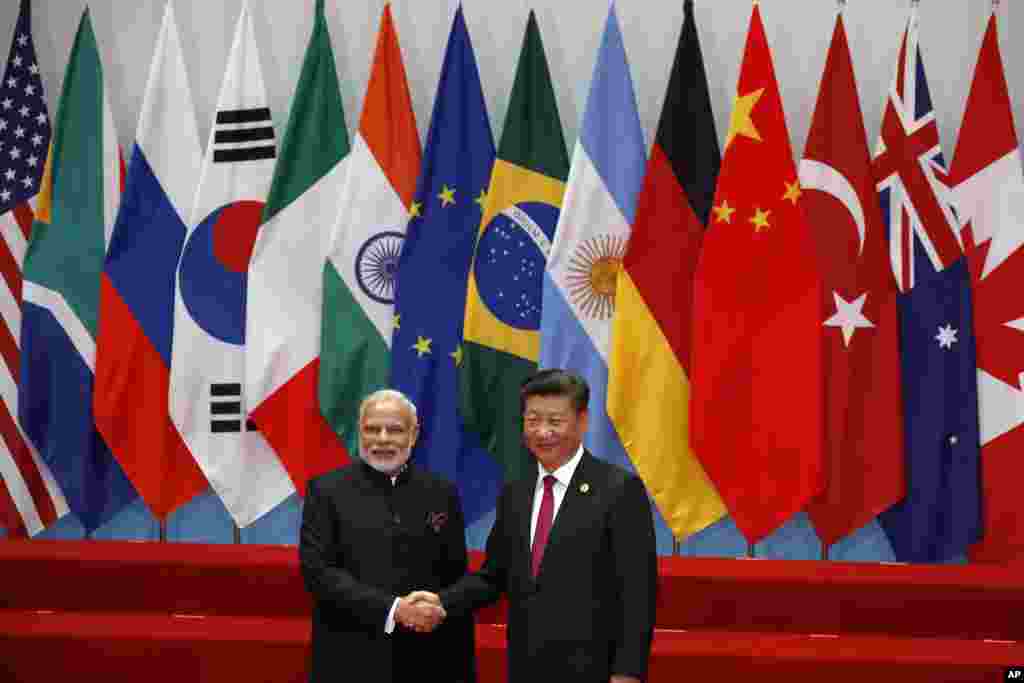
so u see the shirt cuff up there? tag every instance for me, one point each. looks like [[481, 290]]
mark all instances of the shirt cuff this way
[[389, 625]]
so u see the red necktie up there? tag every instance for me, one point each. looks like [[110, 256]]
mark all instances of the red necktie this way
[[544, 519]]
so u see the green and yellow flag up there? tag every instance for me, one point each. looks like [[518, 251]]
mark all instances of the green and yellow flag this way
[[501, 336]]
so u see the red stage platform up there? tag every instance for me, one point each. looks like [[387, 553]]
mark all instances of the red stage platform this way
[[115, 611]]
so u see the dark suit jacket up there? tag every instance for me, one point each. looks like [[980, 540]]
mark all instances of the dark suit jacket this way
[[590, 612], [364, 542]]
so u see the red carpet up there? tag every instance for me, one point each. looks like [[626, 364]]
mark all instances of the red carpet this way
[[113, 611]]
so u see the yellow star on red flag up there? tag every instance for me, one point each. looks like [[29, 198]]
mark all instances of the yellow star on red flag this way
[[740, 123], [793, 191], [723, 212], [760, 219], [757, 301]]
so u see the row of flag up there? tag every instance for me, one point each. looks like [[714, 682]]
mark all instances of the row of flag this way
[[761, 336]]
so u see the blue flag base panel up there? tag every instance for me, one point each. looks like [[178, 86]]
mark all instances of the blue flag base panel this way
[[205, 520], [721, 539]]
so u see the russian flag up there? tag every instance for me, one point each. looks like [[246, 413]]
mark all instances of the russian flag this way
[[133, 355]]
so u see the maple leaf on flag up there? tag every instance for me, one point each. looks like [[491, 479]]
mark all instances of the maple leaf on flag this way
[[999, 335]]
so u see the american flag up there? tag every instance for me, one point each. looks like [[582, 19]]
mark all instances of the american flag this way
[[910, 170], [29, 497]]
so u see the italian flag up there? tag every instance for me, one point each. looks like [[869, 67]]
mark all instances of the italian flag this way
[[359, 277], [285, 285]]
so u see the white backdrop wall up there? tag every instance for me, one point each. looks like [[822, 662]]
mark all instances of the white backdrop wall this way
[[798, 31]]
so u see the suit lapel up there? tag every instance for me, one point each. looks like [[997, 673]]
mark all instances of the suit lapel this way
[[525, 503], [573, 510]]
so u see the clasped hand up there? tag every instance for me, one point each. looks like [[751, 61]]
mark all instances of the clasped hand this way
[[420, 611]]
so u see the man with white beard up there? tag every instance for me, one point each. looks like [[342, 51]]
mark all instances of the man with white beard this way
[[372, 532]]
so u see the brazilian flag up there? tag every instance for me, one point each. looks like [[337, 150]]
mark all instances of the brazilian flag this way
[[501, 334]]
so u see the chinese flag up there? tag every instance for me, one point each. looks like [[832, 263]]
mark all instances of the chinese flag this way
[[757, 354]]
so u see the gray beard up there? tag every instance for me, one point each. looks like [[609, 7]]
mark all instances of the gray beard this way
[[389, 471]]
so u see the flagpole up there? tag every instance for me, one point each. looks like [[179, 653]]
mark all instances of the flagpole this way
[[840, 7], [676, 545], [750, 551], [237, 533], [162, 530]]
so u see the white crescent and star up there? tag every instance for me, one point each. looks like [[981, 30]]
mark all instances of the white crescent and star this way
[[815, 175]]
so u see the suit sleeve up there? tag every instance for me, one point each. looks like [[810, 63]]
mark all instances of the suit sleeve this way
[[456, 561], [328, 583], [636, 568], [486, 585], [457, 630]]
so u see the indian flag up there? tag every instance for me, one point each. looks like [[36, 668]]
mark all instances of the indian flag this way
[[359, 276]]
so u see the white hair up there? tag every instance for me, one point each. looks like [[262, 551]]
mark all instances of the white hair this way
[[382, 395]]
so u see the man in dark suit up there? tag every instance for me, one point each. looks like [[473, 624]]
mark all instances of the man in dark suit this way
[[372, 532], [573, 548]]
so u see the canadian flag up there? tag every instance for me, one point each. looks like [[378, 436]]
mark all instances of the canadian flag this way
[[988, 193]]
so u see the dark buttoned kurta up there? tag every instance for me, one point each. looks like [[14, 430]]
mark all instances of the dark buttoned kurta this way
[[365, 541]]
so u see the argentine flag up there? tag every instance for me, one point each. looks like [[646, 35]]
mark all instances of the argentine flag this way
[[590, 240]]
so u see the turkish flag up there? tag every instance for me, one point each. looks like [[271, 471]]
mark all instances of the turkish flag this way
[[757, 353], [863, 456]]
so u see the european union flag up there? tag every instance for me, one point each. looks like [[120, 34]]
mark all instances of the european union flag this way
[[941, 515], [430, 296]]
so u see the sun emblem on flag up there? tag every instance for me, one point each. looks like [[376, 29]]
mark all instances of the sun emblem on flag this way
[[377, 265], [593, 271]]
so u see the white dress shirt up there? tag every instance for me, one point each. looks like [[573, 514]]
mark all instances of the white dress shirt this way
[[389, 623], [563, 477]]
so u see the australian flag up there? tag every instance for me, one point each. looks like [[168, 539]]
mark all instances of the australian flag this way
[[430, 297], [941, 514]]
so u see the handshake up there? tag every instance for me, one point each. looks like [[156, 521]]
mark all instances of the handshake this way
[[420, 611]]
